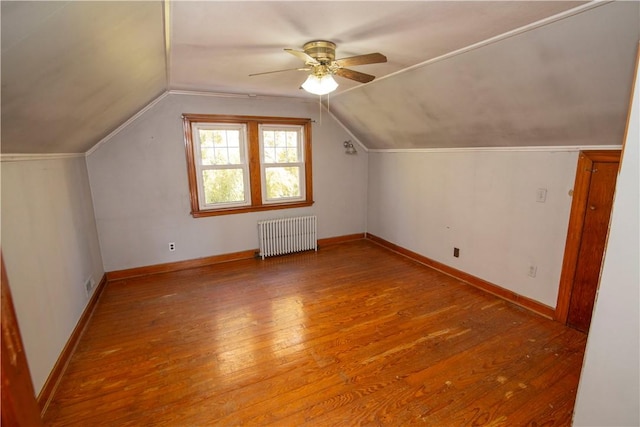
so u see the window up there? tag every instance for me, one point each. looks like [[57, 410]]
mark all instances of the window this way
[[243, 163], [281, 163], [222, 169]]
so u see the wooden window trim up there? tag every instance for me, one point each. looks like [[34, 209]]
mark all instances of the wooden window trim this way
[[253, 154]]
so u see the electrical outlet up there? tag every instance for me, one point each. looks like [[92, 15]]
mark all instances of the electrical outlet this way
[[456, 252], [88, 285], [172, 247], [532, 271]]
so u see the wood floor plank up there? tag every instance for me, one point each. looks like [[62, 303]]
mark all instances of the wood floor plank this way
[[458, 372], [353, 334], [354, 362]]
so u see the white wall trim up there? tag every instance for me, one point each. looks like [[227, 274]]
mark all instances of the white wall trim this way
[[473, 149], [127, 123], [534, 25], [167, 15], [214, 94], [237, 95], [20, 157], [24, 157]]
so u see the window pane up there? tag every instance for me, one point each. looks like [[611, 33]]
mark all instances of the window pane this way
[[281, 138], [219, 137], [220, 146], [233, 138], [223, 185], [222, 157], [282, 155], [268, 139], [292, 139], [269, 155], [208, 156], [234, 156], [281, 145], [282, 182]]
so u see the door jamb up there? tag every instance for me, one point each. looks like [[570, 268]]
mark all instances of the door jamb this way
[[19, 406], [576, 223]]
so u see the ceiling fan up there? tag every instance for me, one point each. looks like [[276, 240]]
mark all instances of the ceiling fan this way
[[319, 58]]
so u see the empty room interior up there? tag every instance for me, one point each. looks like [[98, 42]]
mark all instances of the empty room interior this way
[[320, 213]]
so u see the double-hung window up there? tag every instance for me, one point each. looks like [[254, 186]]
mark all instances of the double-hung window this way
[[222, 168], [281, 163], [244, 163]]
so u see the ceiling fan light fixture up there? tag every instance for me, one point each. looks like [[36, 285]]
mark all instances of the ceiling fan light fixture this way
[[320, 85]]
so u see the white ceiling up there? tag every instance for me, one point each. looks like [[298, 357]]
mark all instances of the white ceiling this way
[[72, 72], [211, 52], [565, 83]]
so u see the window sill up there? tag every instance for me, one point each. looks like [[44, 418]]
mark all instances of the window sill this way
[[245, 209]]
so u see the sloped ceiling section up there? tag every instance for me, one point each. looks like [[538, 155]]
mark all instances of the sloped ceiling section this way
[[74, 71], [565, 83], [211, 52]]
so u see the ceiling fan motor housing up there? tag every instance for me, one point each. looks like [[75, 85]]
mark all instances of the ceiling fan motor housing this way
[[321, 50]]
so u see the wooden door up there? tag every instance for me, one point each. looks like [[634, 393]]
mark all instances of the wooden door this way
[[19, 406], [594, 236], [588, 228]]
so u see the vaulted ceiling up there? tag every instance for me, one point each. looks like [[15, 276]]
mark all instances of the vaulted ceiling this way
[[459, 74]]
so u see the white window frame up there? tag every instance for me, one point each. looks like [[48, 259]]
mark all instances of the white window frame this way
[[300, 163], [244, 165]]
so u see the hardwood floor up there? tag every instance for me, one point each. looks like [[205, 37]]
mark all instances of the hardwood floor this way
[[352, 334]]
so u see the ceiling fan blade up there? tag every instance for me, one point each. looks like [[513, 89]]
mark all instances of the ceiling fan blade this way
[[354, 75], [280, 71], [371, 58], [302, 55]]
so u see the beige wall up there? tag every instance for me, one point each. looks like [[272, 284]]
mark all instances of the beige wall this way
[[50, 246], [483, 202], [609, 390], [139, 184]]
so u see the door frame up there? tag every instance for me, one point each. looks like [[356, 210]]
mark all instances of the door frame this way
[[581, 186], [19, 405]]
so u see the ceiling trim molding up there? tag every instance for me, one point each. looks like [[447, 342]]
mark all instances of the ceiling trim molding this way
[[526, 28], [238, 95], [167, 16], [497, 149], [213, 94], [127, 123], [25, 157], [22, 157]]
